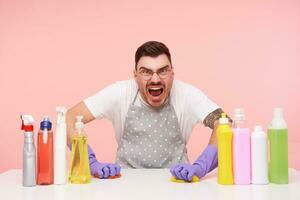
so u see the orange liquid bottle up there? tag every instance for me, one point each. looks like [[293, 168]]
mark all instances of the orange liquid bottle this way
[[45, 153]]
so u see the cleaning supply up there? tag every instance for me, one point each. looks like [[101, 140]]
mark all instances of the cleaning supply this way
[[29, 178], [60, 160], [194, 179], [80, 169], [224, 135], [115, 177], [259, 156], [241, 149], [278, 137], [45, 153]]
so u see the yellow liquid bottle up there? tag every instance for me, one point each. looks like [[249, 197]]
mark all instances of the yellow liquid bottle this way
[[224, 134], [79, 168]]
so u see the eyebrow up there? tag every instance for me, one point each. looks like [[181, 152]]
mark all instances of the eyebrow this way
[[145, 68]]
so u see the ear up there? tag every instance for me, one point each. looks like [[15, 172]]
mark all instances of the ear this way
[[172, 70], [134, 73]]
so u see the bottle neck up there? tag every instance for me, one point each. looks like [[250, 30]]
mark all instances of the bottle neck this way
[[28, 137], [79, 132], [239, 124]]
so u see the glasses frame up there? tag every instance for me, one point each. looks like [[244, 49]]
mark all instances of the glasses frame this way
[[147, 78]]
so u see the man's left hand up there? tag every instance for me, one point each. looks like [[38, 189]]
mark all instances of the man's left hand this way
[[186, 171]]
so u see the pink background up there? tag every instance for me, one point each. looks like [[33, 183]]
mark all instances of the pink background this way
[[59, 52]]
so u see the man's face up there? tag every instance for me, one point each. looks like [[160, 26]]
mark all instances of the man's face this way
[[155, 90]]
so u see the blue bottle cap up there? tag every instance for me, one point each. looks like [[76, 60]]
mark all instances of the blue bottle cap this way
[[46, 124]]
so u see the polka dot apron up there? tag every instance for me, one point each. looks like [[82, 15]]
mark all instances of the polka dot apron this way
[[151, 138]]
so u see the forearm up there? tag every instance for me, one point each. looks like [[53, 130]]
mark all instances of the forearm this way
[[208, 160], [70, 120], [212, 121]]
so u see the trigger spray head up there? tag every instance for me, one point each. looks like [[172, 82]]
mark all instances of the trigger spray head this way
[[27, 123], [61, 114]]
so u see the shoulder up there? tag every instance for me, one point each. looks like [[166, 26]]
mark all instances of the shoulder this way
[[124, 84], [182, 88]]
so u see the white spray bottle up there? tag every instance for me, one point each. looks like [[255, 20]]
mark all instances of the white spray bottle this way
[[60, 163]]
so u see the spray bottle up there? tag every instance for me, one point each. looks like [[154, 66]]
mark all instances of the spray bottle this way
[[259, 156], [80, 169], [224, 134], [60, 163], [45, 153], [241, 149], [278, 137], [29, 178]]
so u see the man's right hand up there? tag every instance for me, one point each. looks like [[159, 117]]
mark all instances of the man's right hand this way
[[102, 170]]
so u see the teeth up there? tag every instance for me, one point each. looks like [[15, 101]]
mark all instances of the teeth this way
[[154, 88]]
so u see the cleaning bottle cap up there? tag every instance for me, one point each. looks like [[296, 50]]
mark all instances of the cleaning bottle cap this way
[[46, 123], [277, 113], [258, 128], [223, 119], [79, 124], [239, 114], [27, 123]]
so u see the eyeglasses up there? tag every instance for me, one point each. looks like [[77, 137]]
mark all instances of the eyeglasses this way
[[147, 74]]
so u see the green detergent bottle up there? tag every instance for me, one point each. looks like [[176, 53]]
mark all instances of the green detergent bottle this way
[[278, 137]]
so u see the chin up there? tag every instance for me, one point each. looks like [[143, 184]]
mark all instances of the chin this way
[[157, 104]]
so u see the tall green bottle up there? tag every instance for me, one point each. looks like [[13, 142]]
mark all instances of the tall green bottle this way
[[278, 137]]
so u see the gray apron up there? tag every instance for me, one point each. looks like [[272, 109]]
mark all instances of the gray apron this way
[[151, 138]]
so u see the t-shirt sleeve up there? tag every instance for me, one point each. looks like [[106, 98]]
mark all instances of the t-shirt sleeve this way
[[104, 103], [199, 105]]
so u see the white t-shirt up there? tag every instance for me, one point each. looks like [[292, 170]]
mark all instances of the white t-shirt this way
[[191, 105]]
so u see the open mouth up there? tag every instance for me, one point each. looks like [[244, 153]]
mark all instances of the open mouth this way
[[155, 91]]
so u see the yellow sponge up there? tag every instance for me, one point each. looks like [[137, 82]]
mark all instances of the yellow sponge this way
[[194, 179]]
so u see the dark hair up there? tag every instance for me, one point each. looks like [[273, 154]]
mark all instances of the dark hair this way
[[152, 49]]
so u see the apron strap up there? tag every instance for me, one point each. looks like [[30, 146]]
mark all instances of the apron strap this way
[[137, 92]]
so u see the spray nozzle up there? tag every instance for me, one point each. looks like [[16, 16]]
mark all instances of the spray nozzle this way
[[27, 122], [61, 109], [61, 113], [79, 124], [223, 119]]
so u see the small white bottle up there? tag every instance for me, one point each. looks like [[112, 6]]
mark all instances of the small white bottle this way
[[259, 156], [60, 161]]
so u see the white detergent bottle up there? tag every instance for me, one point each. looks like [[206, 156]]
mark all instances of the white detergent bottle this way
[[60, 161], [259, 156]]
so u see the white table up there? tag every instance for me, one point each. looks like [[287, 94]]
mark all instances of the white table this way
[[147, 184]]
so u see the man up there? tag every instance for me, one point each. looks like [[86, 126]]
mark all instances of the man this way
[[153, 116]]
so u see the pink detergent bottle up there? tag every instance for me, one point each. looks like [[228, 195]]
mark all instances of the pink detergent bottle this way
[[241, 149]]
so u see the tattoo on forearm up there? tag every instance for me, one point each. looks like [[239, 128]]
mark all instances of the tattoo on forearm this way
[[213, 116]]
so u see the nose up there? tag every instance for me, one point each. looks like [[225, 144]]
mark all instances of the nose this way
[[155, 78]]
